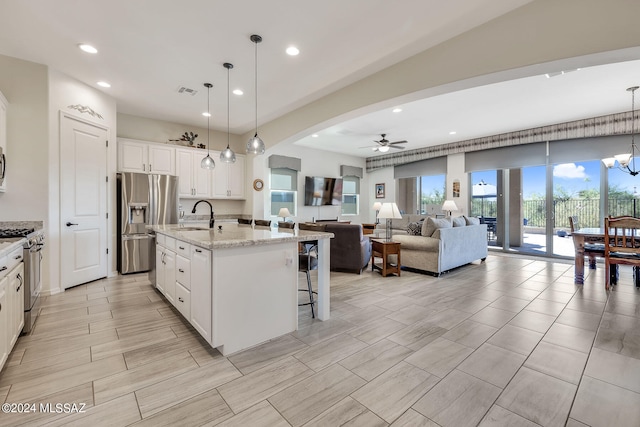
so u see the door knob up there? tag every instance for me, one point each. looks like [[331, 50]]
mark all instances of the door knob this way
[[69, 224]]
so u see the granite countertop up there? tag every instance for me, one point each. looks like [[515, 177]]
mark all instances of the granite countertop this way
[[38, 225], [6, 247], [237, 235]]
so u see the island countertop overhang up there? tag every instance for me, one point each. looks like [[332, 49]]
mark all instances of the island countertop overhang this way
[[237, 235]]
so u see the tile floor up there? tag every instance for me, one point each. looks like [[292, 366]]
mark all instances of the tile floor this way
[[509, 342]]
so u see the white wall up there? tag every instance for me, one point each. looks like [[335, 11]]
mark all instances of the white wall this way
[[314, 163], [24, 84], [455, 170], [380, 176], [65, 91]]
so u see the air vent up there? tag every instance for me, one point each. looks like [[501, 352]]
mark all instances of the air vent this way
[[187, 91]]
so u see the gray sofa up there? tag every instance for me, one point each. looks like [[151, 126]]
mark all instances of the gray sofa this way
[[350, 249], [445, 248]]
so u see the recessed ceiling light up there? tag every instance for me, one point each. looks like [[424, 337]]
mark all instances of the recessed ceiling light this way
[[292, 50], [315, 135], [206, 114], [88, 48], [453, 132], [238, 92], [397, 110], [103, 84]]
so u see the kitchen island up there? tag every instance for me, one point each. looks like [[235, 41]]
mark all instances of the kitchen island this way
[[236, 284]]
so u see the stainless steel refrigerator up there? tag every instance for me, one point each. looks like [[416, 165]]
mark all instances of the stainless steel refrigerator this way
[[143, 200]]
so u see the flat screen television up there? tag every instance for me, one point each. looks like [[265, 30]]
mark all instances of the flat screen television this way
[[319, 191]]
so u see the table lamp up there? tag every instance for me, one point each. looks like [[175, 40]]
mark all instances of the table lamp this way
[[284, 213], [448, 206], [376, 207], [389, 211]]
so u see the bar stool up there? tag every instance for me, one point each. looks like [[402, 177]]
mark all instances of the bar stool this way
[[289, 225], [308, 261], [245, 221]]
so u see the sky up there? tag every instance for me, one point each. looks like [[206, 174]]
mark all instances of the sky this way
[[573, 177]]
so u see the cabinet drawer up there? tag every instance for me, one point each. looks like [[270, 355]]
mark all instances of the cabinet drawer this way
[[14, 258], [160, 239], [183, 271], [183, 301], [170, 243], [183, 249]]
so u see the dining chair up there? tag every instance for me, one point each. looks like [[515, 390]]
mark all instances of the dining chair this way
[[245, 221], [621, 246], [591, 250], [289, 225]]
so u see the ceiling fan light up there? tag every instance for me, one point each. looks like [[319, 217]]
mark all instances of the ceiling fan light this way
[[383, 149], [609, 162]]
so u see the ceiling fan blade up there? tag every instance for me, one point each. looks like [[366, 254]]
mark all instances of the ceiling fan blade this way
[[398, 142], [396, 147]]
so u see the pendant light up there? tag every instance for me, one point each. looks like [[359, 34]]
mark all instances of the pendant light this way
[[207, 162], [227, 155], [255, 144]]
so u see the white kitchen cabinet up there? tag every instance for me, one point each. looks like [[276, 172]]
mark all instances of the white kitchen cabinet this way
[[146, 157], [194, 182], [3, 140], [166, 271], [201, 303], [229, 178], [15, 300], [4, 322]]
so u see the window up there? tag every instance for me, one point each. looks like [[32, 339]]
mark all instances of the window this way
[[284, 188], [431, 193], [350, 195]]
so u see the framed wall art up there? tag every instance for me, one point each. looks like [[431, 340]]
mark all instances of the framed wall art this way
[[379, 191]]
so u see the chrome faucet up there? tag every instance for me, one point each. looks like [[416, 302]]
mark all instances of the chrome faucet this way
[[212, 219]]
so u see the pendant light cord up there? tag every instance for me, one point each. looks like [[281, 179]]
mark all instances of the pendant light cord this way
[[208, 116], [228, 114], [256, 81]]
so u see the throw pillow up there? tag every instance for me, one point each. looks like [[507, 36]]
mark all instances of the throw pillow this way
[[459, 221], [432, 224], [472, 220], [414, 228]]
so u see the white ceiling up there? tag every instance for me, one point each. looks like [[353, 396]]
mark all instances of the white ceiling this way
[[149, 48]]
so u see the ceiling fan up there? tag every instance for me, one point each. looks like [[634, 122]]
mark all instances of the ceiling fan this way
[[384, 144]]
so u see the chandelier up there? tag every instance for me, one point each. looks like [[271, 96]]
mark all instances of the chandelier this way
[[627, 161]]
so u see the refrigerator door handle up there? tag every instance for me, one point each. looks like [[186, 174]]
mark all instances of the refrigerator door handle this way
[[136, 236]]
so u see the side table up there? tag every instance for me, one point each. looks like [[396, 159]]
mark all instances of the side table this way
[[382, 249], [368, 228]]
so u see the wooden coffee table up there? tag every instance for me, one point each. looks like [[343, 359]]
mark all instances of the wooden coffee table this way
[[381, 248]]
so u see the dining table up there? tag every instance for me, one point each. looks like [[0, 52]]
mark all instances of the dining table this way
[[580, 238]]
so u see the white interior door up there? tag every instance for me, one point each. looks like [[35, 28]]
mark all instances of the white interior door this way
[[83, 202]]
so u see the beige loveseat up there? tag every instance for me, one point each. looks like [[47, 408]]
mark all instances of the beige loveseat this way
[[441, 246]]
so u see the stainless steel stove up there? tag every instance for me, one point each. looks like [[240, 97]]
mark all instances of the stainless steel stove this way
[[32, 254]]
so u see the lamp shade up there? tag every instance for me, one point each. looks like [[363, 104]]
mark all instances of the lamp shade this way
[[449, 205], [377, 206], [284, 213], [389, 210]]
